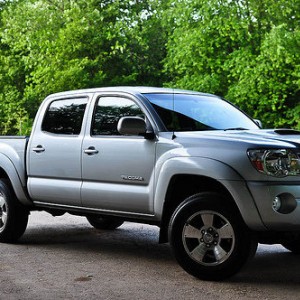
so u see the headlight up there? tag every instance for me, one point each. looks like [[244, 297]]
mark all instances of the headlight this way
[[276, 162]]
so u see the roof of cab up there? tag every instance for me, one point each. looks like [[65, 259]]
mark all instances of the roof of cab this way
[[134, 90]]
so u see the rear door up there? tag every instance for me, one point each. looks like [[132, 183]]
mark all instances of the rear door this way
[[117, 170], [54, 152]]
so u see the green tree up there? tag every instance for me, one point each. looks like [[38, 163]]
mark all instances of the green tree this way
[[53, 45], [243, 50]]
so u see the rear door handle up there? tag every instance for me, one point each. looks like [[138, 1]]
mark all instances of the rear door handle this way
[[38, 149], [91, 150]]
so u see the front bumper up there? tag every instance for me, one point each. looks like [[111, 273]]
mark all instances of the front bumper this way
[[264, 194]]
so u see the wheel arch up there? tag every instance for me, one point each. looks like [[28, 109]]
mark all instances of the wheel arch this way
[[182, 186], [9, 172]]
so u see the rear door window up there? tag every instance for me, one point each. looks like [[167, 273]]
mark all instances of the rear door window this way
[[65, 116]]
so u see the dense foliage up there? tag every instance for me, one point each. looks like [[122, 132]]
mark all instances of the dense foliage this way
[[244, 50]]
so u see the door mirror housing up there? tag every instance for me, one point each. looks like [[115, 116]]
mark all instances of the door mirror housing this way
[[132, 126]]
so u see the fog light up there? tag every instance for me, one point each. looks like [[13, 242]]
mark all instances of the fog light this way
[[276, 204], [284, 203]]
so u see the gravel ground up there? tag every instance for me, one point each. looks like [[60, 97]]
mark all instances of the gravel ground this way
[[65, 258]]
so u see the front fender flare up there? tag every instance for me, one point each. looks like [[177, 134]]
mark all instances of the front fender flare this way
[[210, 168]]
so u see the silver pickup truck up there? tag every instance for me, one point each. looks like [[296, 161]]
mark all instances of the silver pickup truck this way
[[191, 163]]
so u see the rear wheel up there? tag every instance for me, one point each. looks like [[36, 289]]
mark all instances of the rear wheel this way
[[104, 222], [209, 238], [13, 215]]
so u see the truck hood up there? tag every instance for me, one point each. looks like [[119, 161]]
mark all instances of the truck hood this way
[[252, 138], [281, 135], [231, 147]]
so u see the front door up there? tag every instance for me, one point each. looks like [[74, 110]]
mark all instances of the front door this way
[[117, 171]]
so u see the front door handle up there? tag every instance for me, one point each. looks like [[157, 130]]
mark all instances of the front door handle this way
[[91, 150], [38, 149]]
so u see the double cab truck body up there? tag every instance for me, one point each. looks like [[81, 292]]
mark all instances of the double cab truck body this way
[[191, 163]]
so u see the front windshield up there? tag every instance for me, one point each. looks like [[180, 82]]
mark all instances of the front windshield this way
[[191, 112]]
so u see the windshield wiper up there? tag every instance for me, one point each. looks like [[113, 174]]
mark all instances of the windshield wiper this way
[[236, 128]]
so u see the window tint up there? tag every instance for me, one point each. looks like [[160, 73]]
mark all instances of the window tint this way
[[108, 112], [65, 116]]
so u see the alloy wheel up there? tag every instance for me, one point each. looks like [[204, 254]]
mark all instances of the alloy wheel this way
[[208, 238]]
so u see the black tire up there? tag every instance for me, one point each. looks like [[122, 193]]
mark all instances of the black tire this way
[[209, 238], [104, 222], [293, 246], [13, 215]]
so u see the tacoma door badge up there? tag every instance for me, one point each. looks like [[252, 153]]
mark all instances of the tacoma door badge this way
[[132, 177]]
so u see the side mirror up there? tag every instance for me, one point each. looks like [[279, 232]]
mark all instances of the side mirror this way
[[132, 126]]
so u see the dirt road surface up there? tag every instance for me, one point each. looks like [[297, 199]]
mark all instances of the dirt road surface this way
[[65, 258]]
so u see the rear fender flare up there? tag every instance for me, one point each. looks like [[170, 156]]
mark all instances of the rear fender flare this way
[[15, 179]]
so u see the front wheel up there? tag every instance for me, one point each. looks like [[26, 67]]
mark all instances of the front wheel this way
[[209, 238], [13, 216]]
